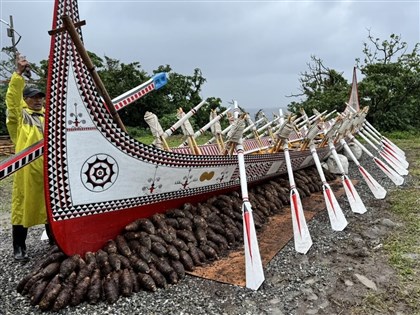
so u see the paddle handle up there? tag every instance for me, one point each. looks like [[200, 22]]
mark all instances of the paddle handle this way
[[242, 171], [318, 164]]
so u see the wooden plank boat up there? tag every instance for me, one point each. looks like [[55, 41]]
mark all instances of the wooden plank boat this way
[[98, 179]]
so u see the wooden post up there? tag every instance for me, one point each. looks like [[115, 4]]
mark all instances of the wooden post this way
[[69, 26]]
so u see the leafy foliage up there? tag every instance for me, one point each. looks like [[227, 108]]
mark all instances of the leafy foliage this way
[[7, 67], [390, 87], [322, 87], [181, 91]]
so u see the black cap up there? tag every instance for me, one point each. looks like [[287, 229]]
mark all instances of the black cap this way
[[31, 92]]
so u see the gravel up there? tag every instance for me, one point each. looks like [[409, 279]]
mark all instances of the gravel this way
[[295, 283]]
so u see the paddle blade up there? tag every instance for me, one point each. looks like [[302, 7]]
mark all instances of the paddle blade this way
[[393, 163], [377, 190], [397, 157], [302, 237], [253, 265], [337, 219], [356, 204], [392, 146], [392, 175], [392, 150]]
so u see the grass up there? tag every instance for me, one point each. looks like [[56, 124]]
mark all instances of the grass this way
[[145, 136], [403, 246], [400, 246]]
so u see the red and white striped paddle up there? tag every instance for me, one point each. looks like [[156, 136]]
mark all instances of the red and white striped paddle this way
[[337, 219], [388, 171], [253, 266], [377, 190], [356, 204], [391, 160], [394, 154], [302, 237]]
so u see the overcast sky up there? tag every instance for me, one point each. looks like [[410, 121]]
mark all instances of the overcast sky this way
[[251, 51]]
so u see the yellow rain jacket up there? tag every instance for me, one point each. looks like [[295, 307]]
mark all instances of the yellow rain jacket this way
[[25, 127]]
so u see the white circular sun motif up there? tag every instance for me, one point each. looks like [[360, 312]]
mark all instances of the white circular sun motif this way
[[99, 172]]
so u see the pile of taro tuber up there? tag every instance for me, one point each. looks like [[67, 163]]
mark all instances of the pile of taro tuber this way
[[153, 252]]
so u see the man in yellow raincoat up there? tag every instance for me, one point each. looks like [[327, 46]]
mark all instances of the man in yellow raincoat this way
[[25, 123]]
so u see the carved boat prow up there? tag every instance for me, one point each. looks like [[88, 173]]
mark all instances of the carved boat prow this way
[[98, 178]]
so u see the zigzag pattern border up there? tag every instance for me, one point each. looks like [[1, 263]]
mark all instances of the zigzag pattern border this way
[[64, 53]]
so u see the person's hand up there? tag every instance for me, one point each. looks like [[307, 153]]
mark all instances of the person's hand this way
[[22, 64]]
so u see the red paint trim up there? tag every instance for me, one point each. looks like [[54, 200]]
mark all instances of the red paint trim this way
[[346, 181], [19, 156], [366, 175], [296, 206], [248, 231], [330, 199]]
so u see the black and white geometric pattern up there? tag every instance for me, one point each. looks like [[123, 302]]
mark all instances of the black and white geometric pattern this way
[[19, 160], [99, 172]]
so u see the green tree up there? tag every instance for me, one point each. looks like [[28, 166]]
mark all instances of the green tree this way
[[7, 65], [391, 87], [119, 78], [181, 91], [323, 89]]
